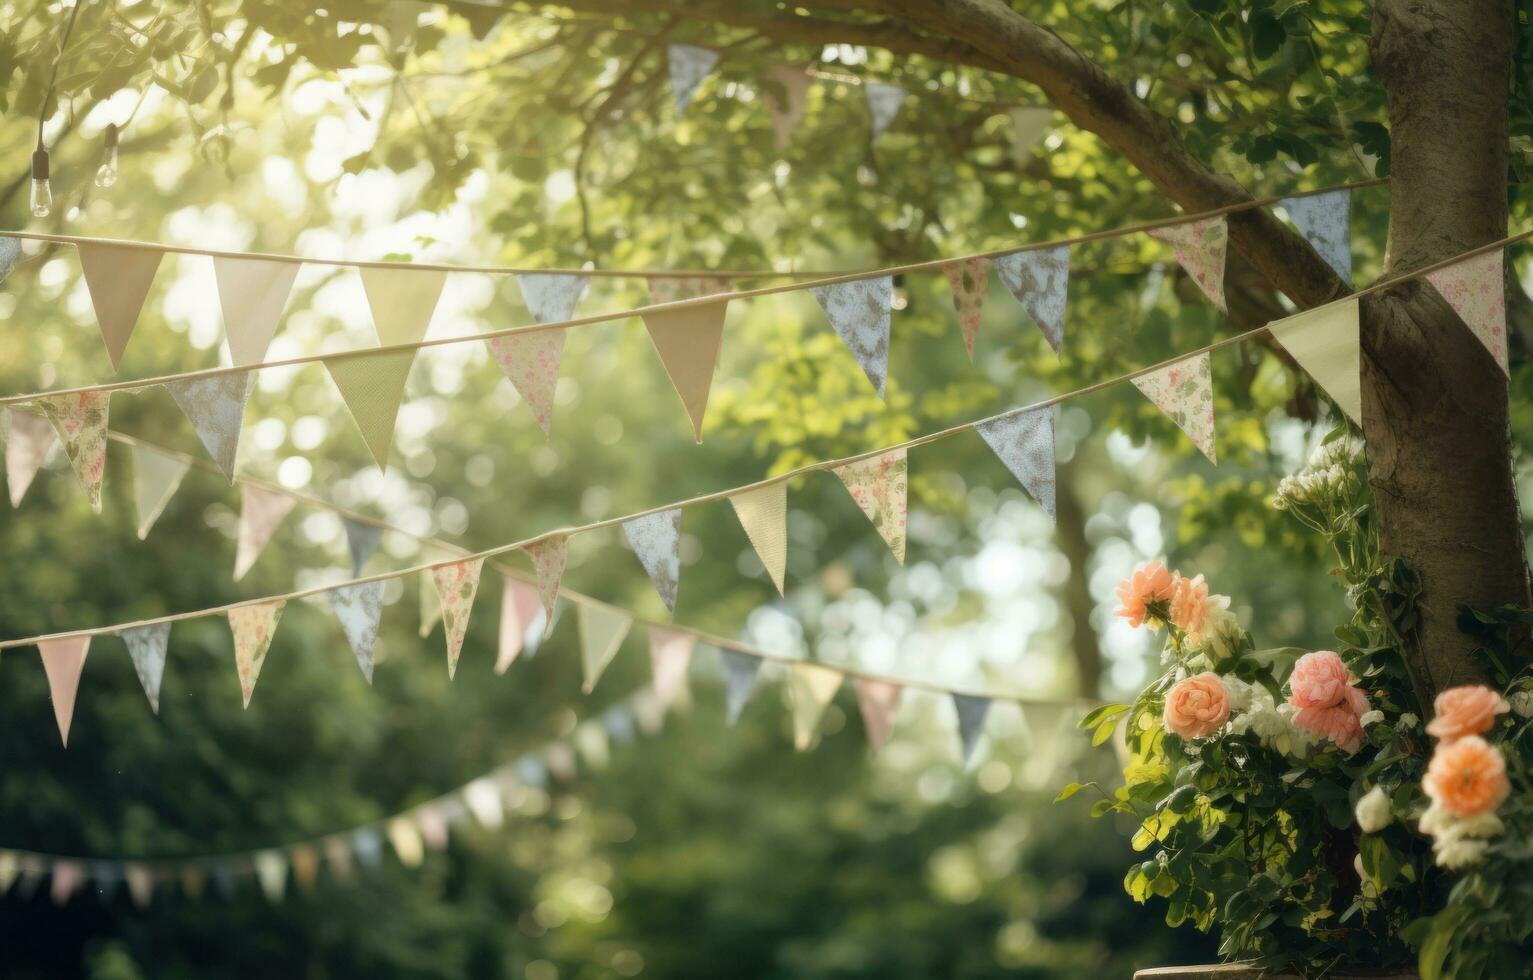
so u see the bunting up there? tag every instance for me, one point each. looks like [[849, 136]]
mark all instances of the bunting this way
[[456, 585], [156, 477], [1028, 124], [879, 701], [140, 884], [67, 876], [788, 108], [859, 313], [1040, 280], [969, 278], [689, 65], [670, 289], [1199, 248], [253, 627], [361, 541], [878, 485], [359, 610], [688, 341], [740, 670], [1325, 343], [530, 362], [261, 513], [406, 840], [1184, 390], [670, 657], [216, 408], [146, 648], [519, 605], [763, 513], [80, 421], [602, 629], [811, 687], [431, 604], [548, 560], [372, 387], [884, 103], [271, 874], [27, 446], [1024, 441], [1325, 221], [1476, 290], [118, 279], [656, 540], [252, 293], [10, 254], [972, 711], [551, 297], [63, 662]]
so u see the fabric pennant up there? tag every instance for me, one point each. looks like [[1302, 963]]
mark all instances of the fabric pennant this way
[[740, 671], [67, 877], [548, 560], [261, 513], [1184, 390], [1325, 342], [689, 65], [811, 687], [669, 289], [216, 408], [884, 103], [688, 341], [878, 485], [156, 477], [551, 297], [670, 658], [140, 882], [431, 604], [456, 585], [361, 541], [1325, 221], [402, 301], [1040, 280], [859, 312], [602, 629], [879, 701], [1024, 441], [372, 386], [253, 293], [531, 362], [763, 513], [63, 662], [80, 421], [146, 648], [118, 279], [1028, 124], [359, 610], [656, 540], [519, 604], [27, 446], [788, 108], [10, 254], [972, 711], [271, 874], [1200, 248], [253, 627], [1476, 290], [969, 279]]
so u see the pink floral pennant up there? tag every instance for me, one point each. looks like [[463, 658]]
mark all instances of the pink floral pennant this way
[[549, 558], [63, 662], [1477, 292], [788, 109], [456, 585], [1200, 248], [27, 446], [80, 421], [253, 627], [878, 485], [969, 279], [879, 701], [519, 604], [670, 657], [531, 362], [261, 513], [1184, 391]]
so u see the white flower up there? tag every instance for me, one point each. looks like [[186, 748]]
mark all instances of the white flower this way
[[1409, 721], [1370, 717], [1221, 632], [1522, 703], [1459, 843], [1373, 811], [1454, 853]]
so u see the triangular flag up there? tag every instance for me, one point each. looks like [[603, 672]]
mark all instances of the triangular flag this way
[[1325, 221], [763, 513], [669, 289], [402, 301], [367, 846], [81, 421], [531, 362], [10, 254], [971, 721], [1325, 343], [1200, 247], [156, 478], [10, 867], [788, 109], [359, 609], [338, 856], [63, 662], [193, 879], [118, 279], [969, 279], [519, 604], [305, 866], [431, 604], [253, 627], [271, 873], [656, 540], [261, 513], [140, 882], [1024, 440], [252, 293], [1476, 290], [884, 103], [361, 541], [1184, 390], [810, 689], [146, 648], [216, 408], [689, 65], [372, 385], [670, 657], [456, 585], [859, 312], [1040, 280], [551, 297], [67, 878], [1028, 124], [602, 629], [879, 701], [688, 341], [27, 446], [548, 560], [878, 485], [740, 670]]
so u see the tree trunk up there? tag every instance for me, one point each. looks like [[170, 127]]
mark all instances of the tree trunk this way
[[1434, 400], [1070, 532]]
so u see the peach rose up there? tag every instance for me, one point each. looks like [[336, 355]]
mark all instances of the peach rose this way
[[1319, 680], [1467, 710], [1467, 777], [1152, 583], [1339, 723], [1189, 603], [1197, 706]]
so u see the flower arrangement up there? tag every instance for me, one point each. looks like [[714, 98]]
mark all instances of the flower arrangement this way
[[1294, 801]]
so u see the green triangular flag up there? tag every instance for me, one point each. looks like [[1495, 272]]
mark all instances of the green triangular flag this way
[[371, 386], [1325, 343], [602, 629]]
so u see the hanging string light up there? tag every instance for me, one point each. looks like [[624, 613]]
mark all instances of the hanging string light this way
[[42, 190], [106, 174]]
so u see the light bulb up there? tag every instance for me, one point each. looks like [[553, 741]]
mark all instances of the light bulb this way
[[42, 192], [900, 299], [106, 174]]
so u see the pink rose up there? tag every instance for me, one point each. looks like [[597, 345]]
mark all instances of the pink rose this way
[[1152, 583], [1319, 680], [1197, 706], [1339, 723]]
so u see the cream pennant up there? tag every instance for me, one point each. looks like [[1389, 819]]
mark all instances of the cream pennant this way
[[788, 108], [1184, 390], [859, 311], [63, 662], [740, 671], [1325, 221], [253, 628], [1040, 280], [1325, 342], [118, 279], [156, 477], [361, 541], [261, 513], [1028, 124], [147, 648], [688, 341], [656, 540], [884, 103], [337, 856], [878, 485], [972, 711], [551, 297], [140, 882], [402, 301], [1200, 247], [305, 866], [252, 293], [602, 629], [531, 362], [10, 866], [271, 874], [879, 701], [359, 610], [669, 289], [519, 605], [689, 65], [1476, 289], [27, 447], [482, 798], [216, 408], [763, 513], [670, 658], [431, 604], [810, 689], [81, 422], [1024, 441], [548, 560], [968, 279], [372, 387], [456, 585]]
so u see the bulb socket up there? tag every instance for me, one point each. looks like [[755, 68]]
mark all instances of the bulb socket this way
[[40, 164]]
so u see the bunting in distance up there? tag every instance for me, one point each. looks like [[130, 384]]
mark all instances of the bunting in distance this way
[[1476, 290], [456, 585], [252, 293], [740, 671], [1325, 221], [879, 701], [1028, 124], [670, 657], [688, 341], [216, 408], [118, 278], [253, 628], [811, 687], [147, 648], [878, 485], [63, 662], [261, 513], [519, 607], [1184, 390], [530, 360], [1040, 280], [27, 446], [156, 477], [1024, 441], [1200, 249], [884, 103], [656, 541], [80, 421], [763, 513], [788, 108], [689, 66], [972, 711], [859, 312], [602, 629], [1325, 342]]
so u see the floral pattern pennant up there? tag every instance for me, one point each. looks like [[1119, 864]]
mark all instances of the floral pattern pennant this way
[[548, 560], [1200, 248], [359, 609], [81, 420], [969, 278], [1040, 280], [1476, 291], [1184, 390], [216, 408], [656, 540], [253, 627], [531, 362], [878, 485], [146, 648], [456, 584]]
